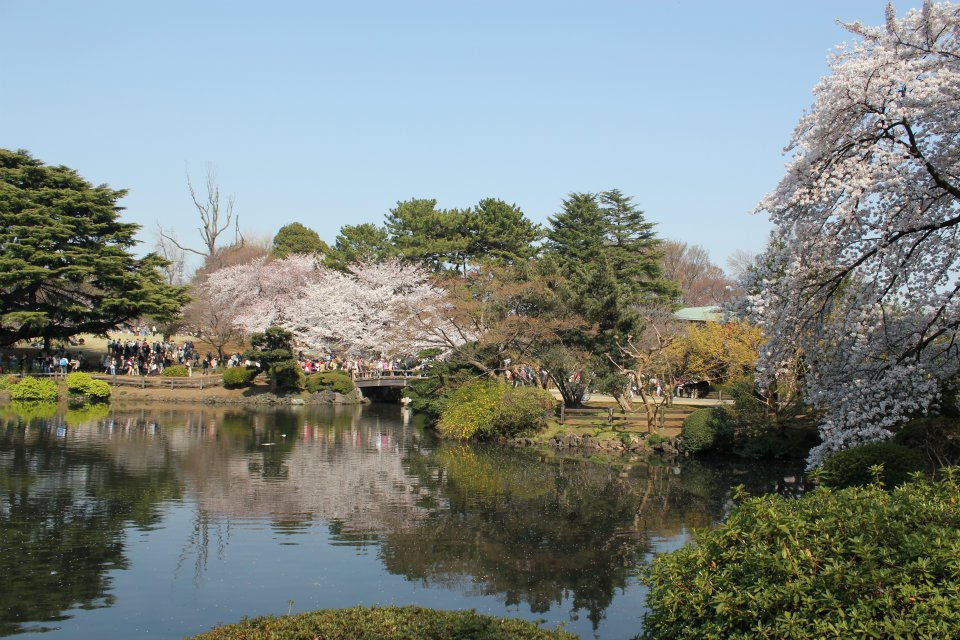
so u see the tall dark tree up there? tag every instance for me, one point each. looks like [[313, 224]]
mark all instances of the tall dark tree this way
[[297, 238], [65, 261]]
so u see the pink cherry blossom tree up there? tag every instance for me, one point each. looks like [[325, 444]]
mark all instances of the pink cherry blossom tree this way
[[863, 270]]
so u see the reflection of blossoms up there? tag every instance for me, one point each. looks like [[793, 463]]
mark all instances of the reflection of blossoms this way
[[861, 274], [360, 312]]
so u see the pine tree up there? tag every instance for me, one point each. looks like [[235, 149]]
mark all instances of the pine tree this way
[[65, 261]]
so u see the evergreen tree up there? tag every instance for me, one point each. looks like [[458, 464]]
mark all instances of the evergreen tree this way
[[274, 351], [296, 238], [359, 243], [420, 232], [65, 263], [499, 232], [632, 248]]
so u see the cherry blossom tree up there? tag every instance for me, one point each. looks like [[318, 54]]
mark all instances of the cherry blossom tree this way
[[361, 311], [863, 270]]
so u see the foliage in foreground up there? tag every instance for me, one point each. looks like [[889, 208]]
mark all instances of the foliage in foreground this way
[[332, 380], [384, 623], [33, 390], [849, 563], [486, 409], [81, 384]]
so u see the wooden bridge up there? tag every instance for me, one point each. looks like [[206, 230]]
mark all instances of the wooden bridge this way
[[397, 379]]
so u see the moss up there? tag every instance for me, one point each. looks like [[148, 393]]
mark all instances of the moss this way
[[384, 623]]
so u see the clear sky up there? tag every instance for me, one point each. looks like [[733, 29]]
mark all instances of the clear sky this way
[[329, 113]]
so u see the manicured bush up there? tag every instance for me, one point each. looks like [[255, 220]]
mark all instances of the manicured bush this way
[[238, 376], [288, 376], [81, 384], [706, 429], [33, 390], [332, 380], [851, 563], [385, 623], [484, 409], [851, 467], [176, 371]]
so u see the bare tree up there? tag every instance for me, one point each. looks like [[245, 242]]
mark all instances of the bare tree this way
[[216, 217], [175, 270], [701, 281]]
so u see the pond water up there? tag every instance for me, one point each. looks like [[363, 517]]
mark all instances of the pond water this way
[[163, 522]]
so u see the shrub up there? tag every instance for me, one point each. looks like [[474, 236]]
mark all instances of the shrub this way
[[81, 384], [470, 410], [33, 390], [706, 429], [386, 623], [8, 382], [238, 376], [287, 375], [176, 371], [521, 411], [851, 467], [833, 564], [485, 408], [333, 380]]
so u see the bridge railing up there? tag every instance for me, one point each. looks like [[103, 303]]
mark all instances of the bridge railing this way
[[390, 374]]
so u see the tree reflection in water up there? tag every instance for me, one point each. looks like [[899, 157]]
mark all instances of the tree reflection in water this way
[[521, 526]]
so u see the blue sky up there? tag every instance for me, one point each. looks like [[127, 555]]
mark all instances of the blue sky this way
[[329, 113]]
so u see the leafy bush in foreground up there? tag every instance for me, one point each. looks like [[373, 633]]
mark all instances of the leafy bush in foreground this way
[[384, 623], [849, 563], [851, 467], [34, 390], [332, 380]]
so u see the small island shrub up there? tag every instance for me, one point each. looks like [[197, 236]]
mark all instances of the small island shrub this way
[[176, 371], [706, 430], [81, 384], [238, 377], [470, 410], [485, 408], [851, 467], [521, 411], [848, 563], [385, 623], [330, 380], [33, 390]]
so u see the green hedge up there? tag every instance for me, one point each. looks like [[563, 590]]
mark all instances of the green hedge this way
[[850, 563], [485, 409], [176, 371], [81, 384], [332, 380], [385, 623], [33, 390], [238, 376], [851, 467], [706, 429]]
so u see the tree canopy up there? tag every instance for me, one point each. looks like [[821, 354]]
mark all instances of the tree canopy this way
[[861, 275], [296, 238], [65, 265]]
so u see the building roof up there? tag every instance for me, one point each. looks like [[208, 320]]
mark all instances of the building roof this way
[[712, 313]]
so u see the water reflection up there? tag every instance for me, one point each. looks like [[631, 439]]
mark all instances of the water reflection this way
[[557, 536]]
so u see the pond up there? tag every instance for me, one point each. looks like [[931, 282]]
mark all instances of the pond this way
[[163, 522]]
